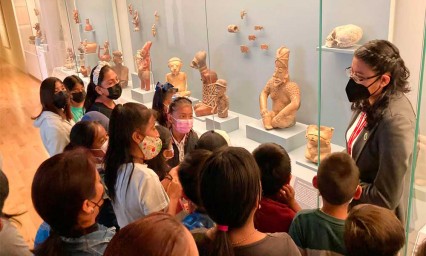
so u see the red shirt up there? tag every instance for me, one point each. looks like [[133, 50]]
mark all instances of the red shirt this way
[[273, 216]]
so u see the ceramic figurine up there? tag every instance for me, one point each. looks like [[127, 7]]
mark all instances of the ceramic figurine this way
[[76, 17], [325, 133], [209, 78], [135, 20], [156, 16], [244, 48], [284, 93], [243, 13], [264, 46], [121, 70], [344, 36], [70, 59], [222, 101], [88, 26], [177, 78], [143, 60], [84, 71], [36, 12], [252, 37], [154, 30], [233, 29], [106, 56], [89, 47], [130, 9], [257, 27], [38, 30]]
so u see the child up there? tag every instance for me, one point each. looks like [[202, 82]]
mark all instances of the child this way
[[183, 137], [162, 99], [321, 230], [75, 87], [373, 230], [275, 213], [212, 140]]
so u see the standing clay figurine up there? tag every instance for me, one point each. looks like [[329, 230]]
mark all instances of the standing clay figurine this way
[[88, 26], [326, 133], [222, 101], [177, 78], [38, 30], [121, 70], [154, 30], [143, 60], [75, 15], [135, 20], [70, 59], [209, 78], [285, 95], [130, 9], [106, 56]]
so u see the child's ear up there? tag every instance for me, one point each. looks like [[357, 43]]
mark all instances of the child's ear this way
[[315, 182], [289, 179], [137, 137], [358, 192]]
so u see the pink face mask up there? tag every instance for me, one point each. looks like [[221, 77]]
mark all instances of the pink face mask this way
[[183, 125]]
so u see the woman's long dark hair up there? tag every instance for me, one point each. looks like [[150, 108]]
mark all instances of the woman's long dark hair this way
[[92, 95], [47, 91], [162, 91], [125, 119], [229, 191], [382, 56], [60, 186]]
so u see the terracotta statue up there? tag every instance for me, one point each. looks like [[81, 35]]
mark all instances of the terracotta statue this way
[[70, 59], [326, 133], [130, 9], [38, 30], [154, 30], [258, 27], [89, 47], [222, 101], [209, 78], [233, 28], [143, 60], [344, 36], [88, 26], [244, 48], [76, 17], [176, 77], [264, 46], [251, 37], [243, 13], [121, 70], [285, 95], [135, 20], [106, 56]]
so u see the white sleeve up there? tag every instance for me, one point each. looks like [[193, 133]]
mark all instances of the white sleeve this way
[[55, 139], [152, 195]]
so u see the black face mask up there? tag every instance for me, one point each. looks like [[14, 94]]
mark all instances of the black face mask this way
[[357, 92], [114, 92], [78, 96], [60, 99]]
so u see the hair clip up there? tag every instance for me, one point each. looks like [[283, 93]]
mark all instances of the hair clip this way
[[97, 70]]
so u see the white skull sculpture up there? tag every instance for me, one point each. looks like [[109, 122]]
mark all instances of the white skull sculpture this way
[[344, 36]]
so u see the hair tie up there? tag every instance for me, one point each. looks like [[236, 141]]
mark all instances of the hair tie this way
[[97, 70], [222, 228]]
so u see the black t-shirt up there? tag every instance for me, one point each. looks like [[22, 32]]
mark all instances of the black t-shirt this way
[[100, 107]]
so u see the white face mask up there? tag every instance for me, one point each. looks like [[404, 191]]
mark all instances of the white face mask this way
[[104, 146]]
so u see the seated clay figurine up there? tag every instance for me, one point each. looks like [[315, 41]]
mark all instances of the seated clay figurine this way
[[143, 61], [285, 95], [106, 56], [222, 100], [209, 78], [121, 70], [325, 133], [344, 36], [177, 78]]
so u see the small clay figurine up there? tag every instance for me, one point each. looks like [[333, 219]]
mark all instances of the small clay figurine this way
[[106, 56], [243, 13], [222, 101], [89, 47], [252, 37], [284, 93], [156, 16], [209, 78], [233, 28], [130, 8], [143, 60], [135, 20], [70, 59], [257, 27], [325, 133], [264, 46], [154, 30], [244, 48], [344, 36], [88, 26], [121, 70], [38, 30], [76, 17], [36, 12], [177, 78]]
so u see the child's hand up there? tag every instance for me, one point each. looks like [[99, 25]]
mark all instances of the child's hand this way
[[287, 195]]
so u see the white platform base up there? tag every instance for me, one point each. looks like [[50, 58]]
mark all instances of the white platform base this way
[[290, 138], [142, 96], [194, 100], [136, 82], [228, 124], [299, 156]]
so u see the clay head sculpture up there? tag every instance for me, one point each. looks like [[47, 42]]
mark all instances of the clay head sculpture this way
[[344, 36], [117, 57], [199, 60], [233, 28], [175, 64], [176, 77], [325, 135]]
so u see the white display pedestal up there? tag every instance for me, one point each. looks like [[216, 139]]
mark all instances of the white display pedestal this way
[[194, 100], [290, 138], [142, 96], [299, 156], [228, 124]]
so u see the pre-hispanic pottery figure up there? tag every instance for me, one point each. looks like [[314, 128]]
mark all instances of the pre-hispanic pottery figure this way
[[88, 26], [143, 61], [121, 70], [106, 56], [135, 20], [222, 100], [325, 133], [285, 95], [177, 78], [76, 16]]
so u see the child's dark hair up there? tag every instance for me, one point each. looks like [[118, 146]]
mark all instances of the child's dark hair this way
[[337, 178], [158, 164], [91, 92], [71, 81], [211, 140], [162, 91], [4, 193], [83, 134], [179, 101], [229, 192], [371, 230], [125, 119], [189, 172], [275, 167]]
